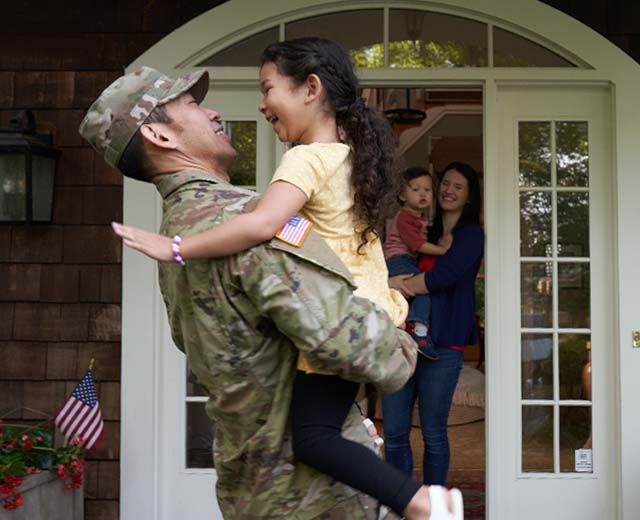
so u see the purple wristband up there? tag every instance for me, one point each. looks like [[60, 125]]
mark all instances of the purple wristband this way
[[175, 247]]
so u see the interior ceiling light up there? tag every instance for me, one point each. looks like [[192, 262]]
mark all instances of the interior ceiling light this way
[[406, 115]]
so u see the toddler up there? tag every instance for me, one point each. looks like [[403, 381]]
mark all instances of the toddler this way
[[407, 238]]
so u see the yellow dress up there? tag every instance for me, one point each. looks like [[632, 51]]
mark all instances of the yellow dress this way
[[322, 171]]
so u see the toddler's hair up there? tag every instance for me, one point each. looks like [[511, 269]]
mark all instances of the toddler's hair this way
[[412, 173], [369, 135]]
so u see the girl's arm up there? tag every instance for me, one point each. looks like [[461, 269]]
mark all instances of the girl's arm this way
[[280, 202]]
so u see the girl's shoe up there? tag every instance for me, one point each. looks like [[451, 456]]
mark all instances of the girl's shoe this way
[[439, 510]]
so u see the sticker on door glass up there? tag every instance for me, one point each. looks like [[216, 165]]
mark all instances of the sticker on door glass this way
[[584, 461]]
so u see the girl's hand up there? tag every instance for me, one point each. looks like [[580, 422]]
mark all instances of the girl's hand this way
[[151, 244], [398, 283]]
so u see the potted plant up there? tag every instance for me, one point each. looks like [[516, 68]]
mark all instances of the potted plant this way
[[29, 460]]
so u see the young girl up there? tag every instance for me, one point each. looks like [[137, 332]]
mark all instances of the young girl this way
[[339, 178], [406, 238]]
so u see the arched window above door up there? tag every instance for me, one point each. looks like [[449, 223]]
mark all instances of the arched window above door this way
[[400, 38], [427, 39], [244, 53]]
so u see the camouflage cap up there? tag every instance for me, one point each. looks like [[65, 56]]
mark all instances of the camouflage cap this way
[[116, 115]]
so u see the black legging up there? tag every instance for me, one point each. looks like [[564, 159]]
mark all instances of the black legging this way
[[319, 408]]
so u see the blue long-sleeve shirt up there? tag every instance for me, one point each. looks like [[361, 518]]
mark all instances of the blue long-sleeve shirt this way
[[451, 285]]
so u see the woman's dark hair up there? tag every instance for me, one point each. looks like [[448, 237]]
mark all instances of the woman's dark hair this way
[[134, 162], [369, 135], [470, 211]]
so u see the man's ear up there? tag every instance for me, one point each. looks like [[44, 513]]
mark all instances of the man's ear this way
[[159, 135], [314, 87]]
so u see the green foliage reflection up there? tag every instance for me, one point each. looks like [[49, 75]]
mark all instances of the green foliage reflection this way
[[243, 139], [573, 224], [535, 223], [419, 54], [572, 357], [371, 56], [534, 144], [424, 53], [572, 153]]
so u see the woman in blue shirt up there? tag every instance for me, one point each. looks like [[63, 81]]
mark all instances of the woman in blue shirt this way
[[450, 283]]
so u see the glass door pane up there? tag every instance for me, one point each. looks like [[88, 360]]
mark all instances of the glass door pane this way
[[252, 138], [243, 136], [200, 429], [555, 294]]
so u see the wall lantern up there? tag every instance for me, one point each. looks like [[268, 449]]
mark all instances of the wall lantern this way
[[27, 171]]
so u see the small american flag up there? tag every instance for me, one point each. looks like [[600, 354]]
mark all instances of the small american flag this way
[[295, 231], [80, 415]]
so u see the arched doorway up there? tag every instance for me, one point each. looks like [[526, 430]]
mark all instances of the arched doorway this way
[[542, 85]]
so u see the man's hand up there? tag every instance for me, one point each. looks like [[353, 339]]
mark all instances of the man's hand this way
[[151, 244]]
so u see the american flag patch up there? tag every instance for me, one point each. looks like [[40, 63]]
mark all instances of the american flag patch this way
[[295, 231]]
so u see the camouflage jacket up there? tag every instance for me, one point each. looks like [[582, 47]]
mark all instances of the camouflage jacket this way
[[241, 321]]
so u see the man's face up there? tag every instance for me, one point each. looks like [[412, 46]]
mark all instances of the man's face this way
[[199, 134]]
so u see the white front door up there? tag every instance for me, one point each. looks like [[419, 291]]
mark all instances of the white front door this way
[[185, 435], [551, 344]]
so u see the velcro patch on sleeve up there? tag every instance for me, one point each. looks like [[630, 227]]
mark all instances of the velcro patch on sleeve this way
[[295, 231]]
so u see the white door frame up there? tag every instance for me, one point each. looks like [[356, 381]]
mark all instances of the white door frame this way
[[143, 310]]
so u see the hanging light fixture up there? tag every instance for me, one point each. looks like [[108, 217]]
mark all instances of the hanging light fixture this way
[[27, 171], [406, 116]]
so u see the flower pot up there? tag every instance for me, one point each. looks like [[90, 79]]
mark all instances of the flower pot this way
[[45, 498]]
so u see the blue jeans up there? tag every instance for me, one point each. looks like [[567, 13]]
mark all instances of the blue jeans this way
[[419, 305], [433, 384]]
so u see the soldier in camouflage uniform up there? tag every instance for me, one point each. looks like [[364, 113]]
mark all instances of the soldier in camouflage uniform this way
[[241, 320]]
